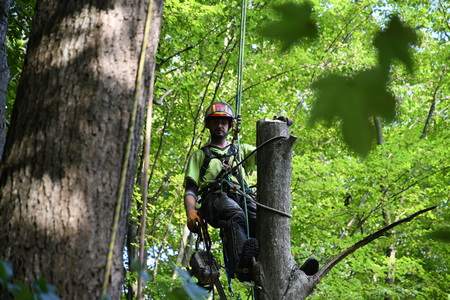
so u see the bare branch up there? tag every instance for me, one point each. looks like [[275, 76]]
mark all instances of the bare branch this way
[[192, 46], [394, 197], [334, 261], [433, 104], [219, 82], [160, 144]]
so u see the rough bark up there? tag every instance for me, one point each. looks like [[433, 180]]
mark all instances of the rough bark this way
[[63, 153], [280, 278], [4, 70]]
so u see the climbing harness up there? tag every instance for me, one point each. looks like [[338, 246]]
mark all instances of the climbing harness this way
[[209, 155], [222, 179]]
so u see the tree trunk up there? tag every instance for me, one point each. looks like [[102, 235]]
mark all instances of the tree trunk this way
[[429, 116], [378, 130], [63, 155], [390, 254], [434, 100], [280, 277], [277, 274], [4, 70]]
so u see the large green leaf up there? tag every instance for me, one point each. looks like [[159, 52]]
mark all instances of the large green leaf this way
[[356, 100], [394, 42], [296, 24]]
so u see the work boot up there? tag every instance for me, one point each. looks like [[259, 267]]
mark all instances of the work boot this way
[[250, 250], [310, 266]]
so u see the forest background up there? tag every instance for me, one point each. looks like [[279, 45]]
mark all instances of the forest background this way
[[338, 196]]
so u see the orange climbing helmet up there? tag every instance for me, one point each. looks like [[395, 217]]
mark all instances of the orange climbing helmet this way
[[219, 110]]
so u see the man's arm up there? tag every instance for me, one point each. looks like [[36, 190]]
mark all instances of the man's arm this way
[[190, 200]]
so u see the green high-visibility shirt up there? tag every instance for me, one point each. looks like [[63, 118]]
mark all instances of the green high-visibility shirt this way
[[215, 165]]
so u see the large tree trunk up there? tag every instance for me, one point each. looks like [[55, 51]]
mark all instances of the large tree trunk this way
[[60, 171], [4, 70]]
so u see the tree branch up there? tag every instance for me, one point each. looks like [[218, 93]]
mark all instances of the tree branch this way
[[192, 46], [334, 261], [379, 130], [160, 144], [395, 196], [433, 104]]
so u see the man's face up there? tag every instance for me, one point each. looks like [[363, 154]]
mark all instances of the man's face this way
[[218, 127]]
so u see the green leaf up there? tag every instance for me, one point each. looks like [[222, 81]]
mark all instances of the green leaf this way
[[296, 24], [394, 43], [145, 276], [354, 101], [106, 297], [177, 293], [44, 290], [23, 293], [194, 291], [6, 271]]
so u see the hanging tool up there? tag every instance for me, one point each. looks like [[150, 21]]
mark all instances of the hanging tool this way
[[203, 265]]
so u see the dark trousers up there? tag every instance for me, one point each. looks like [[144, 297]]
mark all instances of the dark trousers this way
[[226, 211]]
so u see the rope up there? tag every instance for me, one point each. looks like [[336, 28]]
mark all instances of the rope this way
[[125, 160], [280, 212], [145, 175], [239, 98], [238, 107], [253, 153], [241, 57]]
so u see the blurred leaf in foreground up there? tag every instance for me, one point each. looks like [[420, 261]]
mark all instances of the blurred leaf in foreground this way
[[355, 100], [295, 25], [6, 271], [394, 42], [190, 288]]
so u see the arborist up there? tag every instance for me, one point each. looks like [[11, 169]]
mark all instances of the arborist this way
[[216, 192], [211, 192]]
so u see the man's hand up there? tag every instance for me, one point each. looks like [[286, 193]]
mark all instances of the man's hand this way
[[190, 200], [193, 220]]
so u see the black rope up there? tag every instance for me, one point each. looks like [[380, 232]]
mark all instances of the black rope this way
[[280, 212], [253, 153]]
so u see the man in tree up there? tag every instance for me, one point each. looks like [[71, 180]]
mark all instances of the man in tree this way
[[214, 192]]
